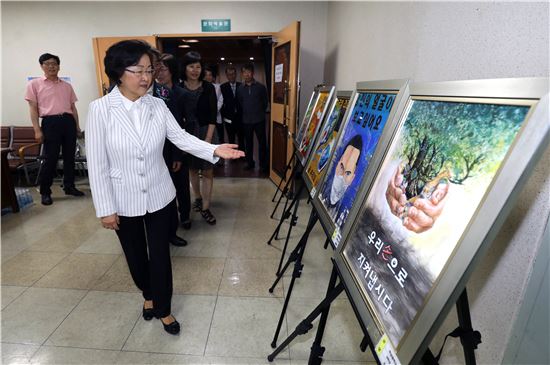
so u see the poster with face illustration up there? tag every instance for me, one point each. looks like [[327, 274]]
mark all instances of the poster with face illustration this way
[[326, 141], [438, 169], [317, 116], [353, 153]]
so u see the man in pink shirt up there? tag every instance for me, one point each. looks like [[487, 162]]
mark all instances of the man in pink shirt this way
[[52, 99]]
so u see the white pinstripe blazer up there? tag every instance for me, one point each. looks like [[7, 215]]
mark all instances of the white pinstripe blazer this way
[[128, 175]]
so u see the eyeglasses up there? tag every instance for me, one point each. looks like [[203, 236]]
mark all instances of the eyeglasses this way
[[139, 73]]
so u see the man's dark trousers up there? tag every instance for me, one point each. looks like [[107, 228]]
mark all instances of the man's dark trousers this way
[[59, 134], [259, 130]]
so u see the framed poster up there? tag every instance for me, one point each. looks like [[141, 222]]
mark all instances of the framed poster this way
[[307, 116], [309, 133], [460, 153], [282, 64], [364, 131], [324, 146]]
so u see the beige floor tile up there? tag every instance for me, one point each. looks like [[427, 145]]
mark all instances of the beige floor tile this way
[[102, 320], [102, 241], [248, 277], [117, 278], [9, 293], [17, 353], [202, 247], [8, 254], [243, 327], [342, 335], [18, 239], [65, 238], [135, 358], [243, 361], [251, 243], [77, 271], [194, 312], [153, 358], [68, 355], [36, 313], [27, 267], [196, 275]]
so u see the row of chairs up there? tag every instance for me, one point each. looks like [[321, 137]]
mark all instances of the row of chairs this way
[[26, 156]]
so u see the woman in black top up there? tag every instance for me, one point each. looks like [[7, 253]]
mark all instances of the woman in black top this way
[[200, 113]]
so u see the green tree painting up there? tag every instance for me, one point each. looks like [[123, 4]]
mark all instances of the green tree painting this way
[[455, 141]]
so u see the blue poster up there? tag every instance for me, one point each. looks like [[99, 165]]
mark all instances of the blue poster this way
[[353, 154]]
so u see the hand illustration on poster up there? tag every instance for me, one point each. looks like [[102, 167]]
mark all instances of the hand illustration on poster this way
[[439, 167], [353, 153], [327, 139]]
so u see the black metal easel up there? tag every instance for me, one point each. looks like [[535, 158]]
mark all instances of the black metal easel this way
[[316, 354], [293, 221], [468, 337], [283, 178], [295, 174], [295, 256]]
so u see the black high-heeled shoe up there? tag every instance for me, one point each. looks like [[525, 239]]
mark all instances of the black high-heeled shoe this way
[[172, 328], [148, 313]]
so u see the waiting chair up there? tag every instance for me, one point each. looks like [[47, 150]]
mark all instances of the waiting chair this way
[[6, 137], [26, 152]]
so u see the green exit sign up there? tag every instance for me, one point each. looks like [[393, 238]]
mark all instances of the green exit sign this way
[[216, 25]]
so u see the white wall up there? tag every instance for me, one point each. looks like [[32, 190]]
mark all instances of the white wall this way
[[453, 41], [67, 28]]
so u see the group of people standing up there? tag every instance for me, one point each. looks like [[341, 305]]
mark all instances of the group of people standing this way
[[241, 112], [146, 139], [150, 138]]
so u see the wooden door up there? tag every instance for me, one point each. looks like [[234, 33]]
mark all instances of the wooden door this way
[[284, 98], [100, 45]]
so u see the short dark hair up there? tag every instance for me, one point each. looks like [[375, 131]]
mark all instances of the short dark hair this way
[[188, 59], [355, 142], [123, 54], [46, 56], [170, 61], [248, 66], [229, 68], [213, 70]]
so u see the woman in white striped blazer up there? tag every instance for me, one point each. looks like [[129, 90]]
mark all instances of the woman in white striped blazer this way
[[131, 187]]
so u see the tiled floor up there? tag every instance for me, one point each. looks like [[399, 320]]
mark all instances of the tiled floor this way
[[68, 298]]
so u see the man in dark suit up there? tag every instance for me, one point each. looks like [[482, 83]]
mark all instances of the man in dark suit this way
[[230, 111]]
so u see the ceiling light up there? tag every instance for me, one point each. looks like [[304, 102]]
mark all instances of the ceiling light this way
[[192, 41], [251, 58], [184, 46], [222, 58]]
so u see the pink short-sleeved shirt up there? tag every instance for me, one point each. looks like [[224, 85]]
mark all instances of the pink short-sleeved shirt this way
[[53, 97]]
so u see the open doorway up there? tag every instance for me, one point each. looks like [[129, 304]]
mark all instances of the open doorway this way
[[284, 82], [218, 53]]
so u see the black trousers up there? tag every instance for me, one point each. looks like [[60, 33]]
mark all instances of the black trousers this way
[[234, 130], [145, 242], [259, 130], [59, 135], [221, 133], [181, 182]]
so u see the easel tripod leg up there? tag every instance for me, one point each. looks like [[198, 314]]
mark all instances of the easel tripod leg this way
[[295, 256], [293, 221], [332, 293]]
